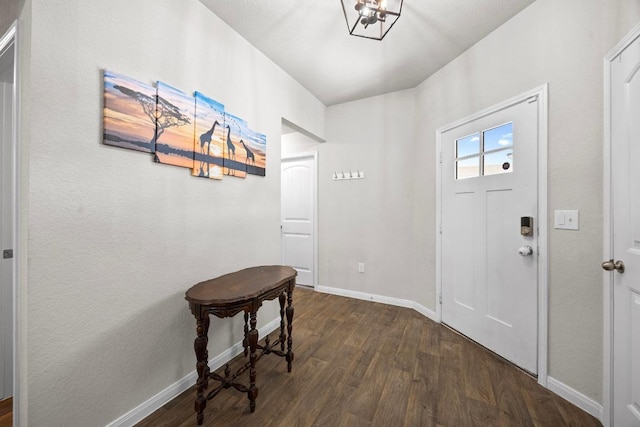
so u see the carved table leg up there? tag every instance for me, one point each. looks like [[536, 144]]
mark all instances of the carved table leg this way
[[245, 340], [253, 344], [202, 367], [289, 327], [281, 299]]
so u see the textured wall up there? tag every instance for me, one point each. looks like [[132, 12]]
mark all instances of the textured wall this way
[[115, 240], [369, 220]]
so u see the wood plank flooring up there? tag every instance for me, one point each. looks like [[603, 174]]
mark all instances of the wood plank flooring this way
[[359, 363], [6, 412]]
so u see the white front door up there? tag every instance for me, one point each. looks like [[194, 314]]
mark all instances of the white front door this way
[[625, 188], [489, 269], [298, 216], [6, 232]]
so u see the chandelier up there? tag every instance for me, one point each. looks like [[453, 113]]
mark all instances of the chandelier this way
[[371, 19]]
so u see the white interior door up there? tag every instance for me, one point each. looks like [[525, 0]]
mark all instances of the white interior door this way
[[625, 188], [6, 234], [298, 216], [489, 277]]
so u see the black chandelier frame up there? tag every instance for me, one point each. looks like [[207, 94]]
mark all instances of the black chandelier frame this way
[[370, 12]]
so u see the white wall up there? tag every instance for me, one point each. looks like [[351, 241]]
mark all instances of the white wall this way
[[370, 220], [388, 219], [115, 240]]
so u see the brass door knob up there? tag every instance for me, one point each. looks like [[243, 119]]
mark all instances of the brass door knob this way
[[611, 265]]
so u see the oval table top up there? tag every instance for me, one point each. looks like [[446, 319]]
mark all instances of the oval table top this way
[[239, 286]]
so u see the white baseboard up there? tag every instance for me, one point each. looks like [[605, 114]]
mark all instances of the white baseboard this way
[[426, 312], [148, 407], [379, 298], [583, 402]]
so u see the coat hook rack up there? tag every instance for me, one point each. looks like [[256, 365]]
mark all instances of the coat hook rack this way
[[342, 175]]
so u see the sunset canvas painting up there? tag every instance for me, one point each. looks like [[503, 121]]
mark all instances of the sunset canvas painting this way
[[256, 147], [209, 138], [129, 113], [235, 154], [174, 127]]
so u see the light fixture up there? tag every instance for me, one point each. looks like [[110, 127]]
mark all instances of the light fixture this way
[[371, 19]]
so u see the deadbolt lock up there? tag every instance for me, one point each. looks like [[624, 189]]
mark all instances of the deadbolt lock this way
[[526, 226]]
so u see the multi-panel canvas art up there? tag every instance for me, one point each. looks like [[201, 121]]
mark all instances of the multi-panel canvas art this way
[[209, 138], [174, 127], [129, 113], [235, 153], [180, 130]]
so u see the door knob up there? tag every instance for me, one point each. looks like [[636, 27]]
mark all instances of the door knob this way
[[525, 250], [611, 265]]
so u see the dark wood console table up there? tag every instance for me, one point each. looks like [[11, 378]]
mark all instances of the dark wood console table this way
[[226, 296]]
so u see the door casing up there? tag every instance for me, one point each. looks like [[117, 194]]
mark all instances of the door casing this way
[[6, 232], [543, 260], [9, 38]]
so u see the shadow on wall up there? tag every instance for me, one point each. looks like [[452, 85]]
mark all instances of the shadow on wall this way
[[296, 140]]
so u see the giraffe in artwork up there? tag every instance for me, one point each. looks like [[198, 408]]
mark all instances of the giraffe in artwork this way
[[205, 138], [230, 147], [250, 155]]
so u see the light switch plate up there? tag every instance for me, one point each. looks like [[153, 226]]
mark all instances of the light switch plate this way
[[566, 220]]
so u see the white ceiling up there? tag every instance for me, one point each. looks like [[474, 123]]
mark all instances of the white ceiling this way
[[310, 41]]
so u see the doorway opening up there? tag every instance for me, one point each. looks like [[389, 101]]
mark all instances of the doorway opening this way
[[299, 202]]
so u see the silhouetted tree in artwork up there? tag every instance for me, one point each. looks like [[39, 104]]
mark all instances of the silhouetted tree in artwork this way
[[168, 115], [161, 112]]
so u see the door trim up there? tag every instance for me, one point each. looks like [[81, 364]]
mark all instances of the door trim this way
[[12, 37], [299, 156], [607, 231], [543, 256]]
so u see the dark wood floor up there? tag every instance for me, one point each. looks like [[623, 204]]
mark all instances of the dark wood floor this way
[[359, 363], [6, 414]]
